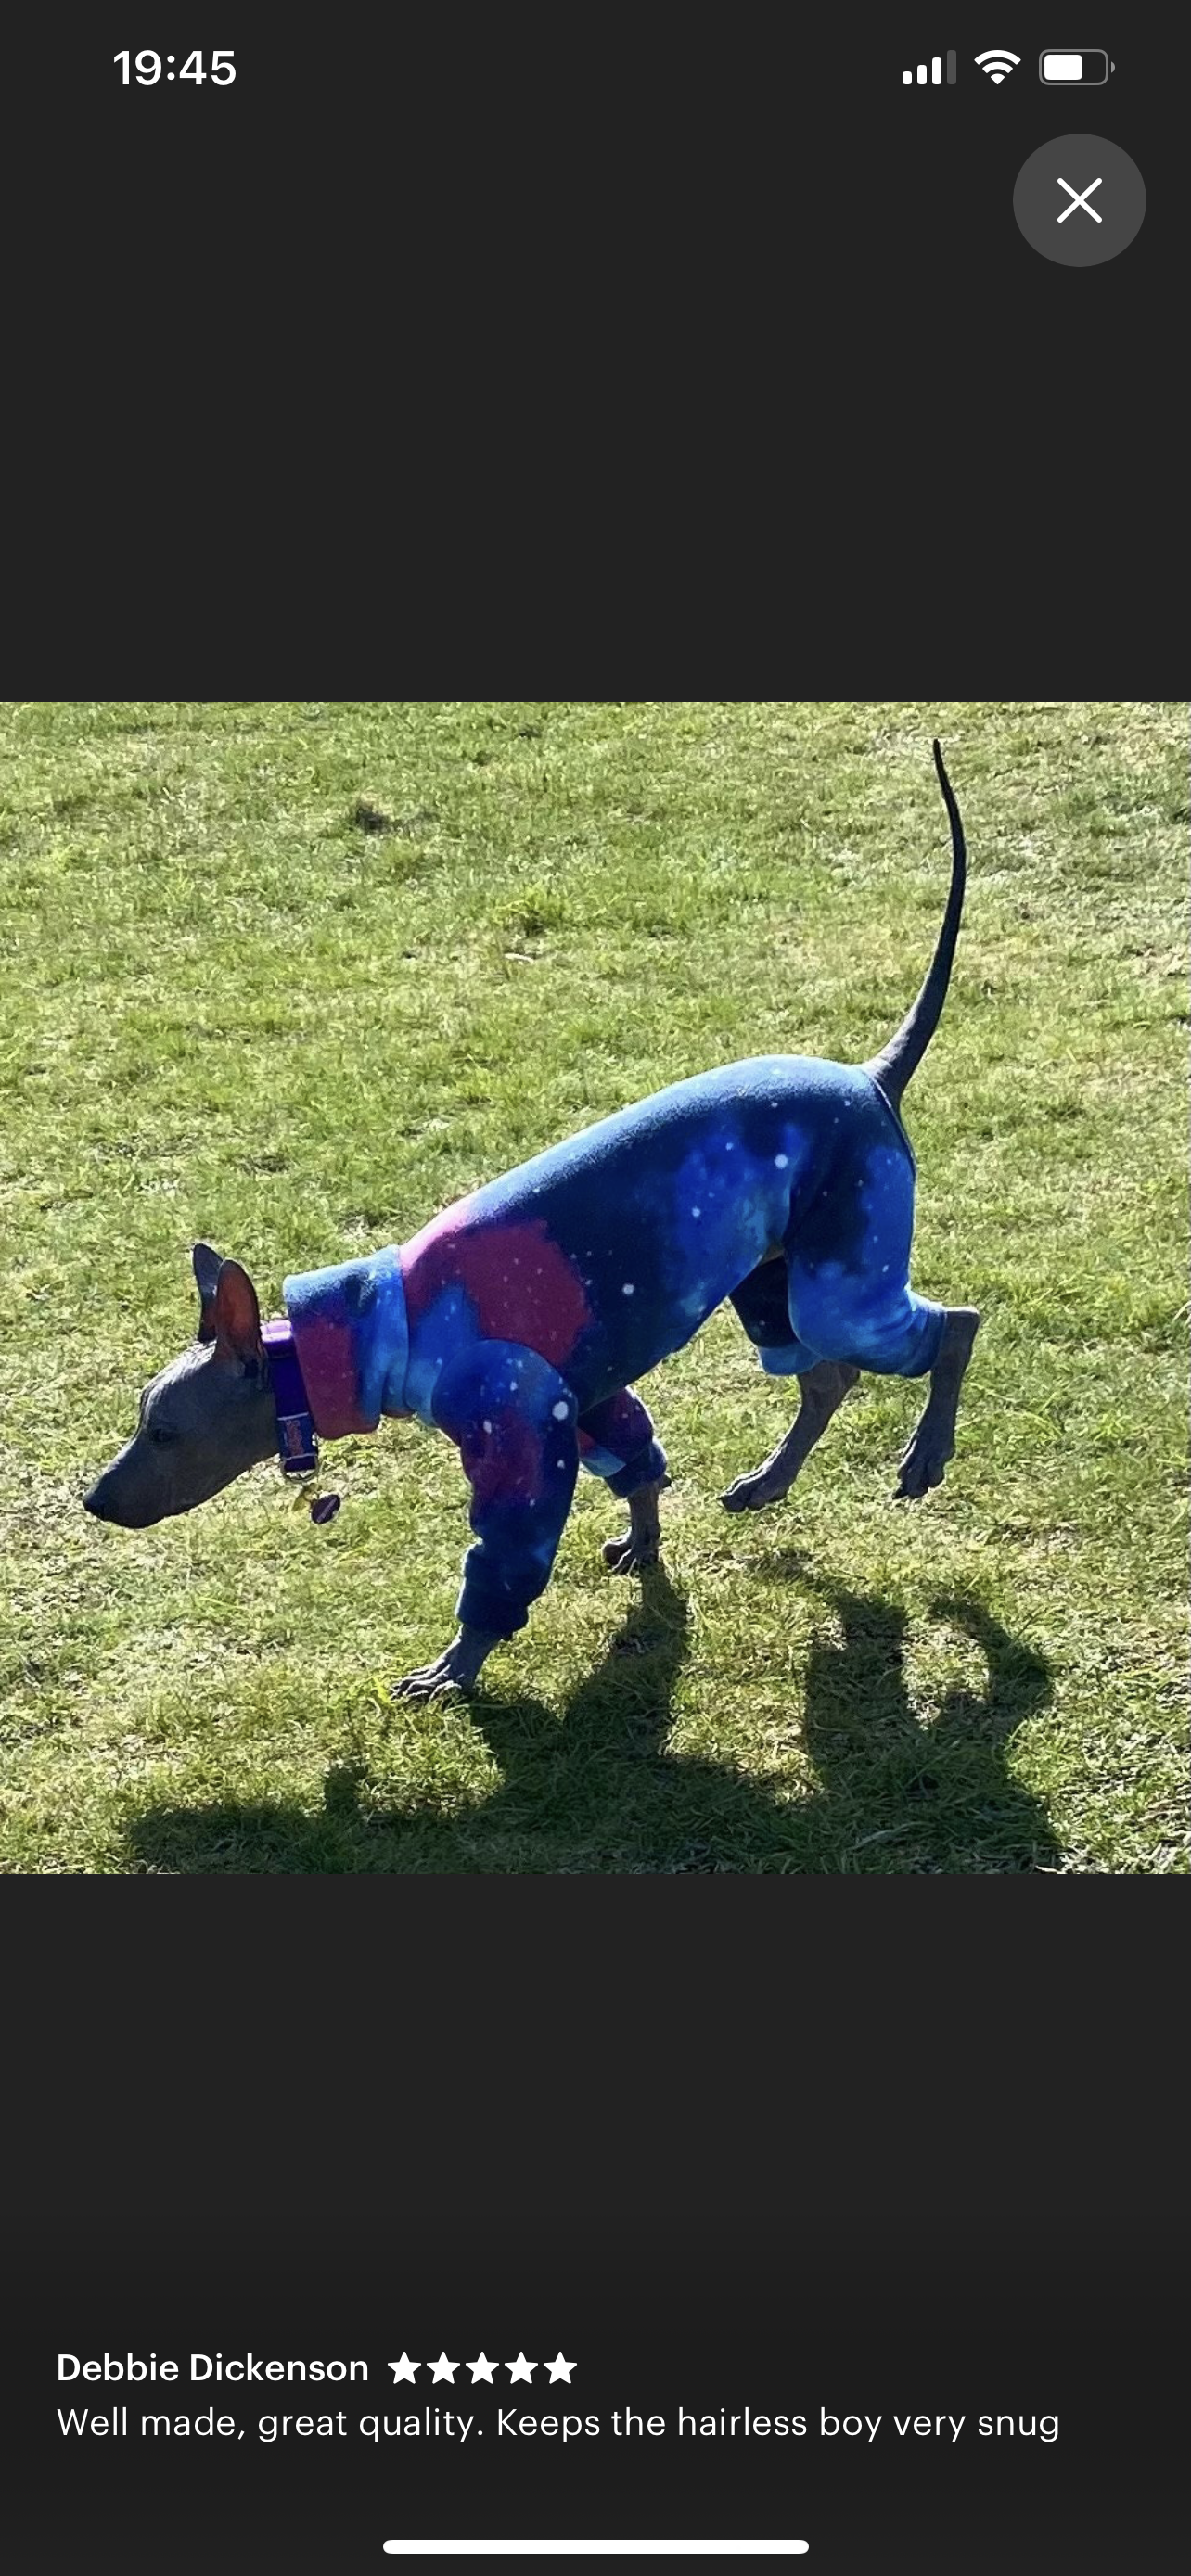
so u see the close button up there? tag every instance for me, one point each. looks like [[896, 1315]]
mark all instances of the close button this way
[[1079, 200]]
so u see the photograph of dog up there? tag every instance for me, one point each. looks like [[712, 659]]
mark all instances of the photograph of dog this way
[[518, 1321], [520, 1072]]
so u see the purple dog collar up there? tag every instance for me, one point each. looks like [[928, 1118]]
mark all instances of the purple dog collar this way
[[297, 1439]]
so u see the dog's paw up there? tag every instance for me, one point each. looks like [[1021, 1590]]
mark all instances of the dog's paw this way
[[753, 1493], [451, 1671], [629, 1554], [921, 1468], [430, 1681], [456, 1669]]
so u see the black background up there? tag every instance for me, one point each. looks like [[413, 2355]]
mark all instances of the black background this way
[[506, 355], [788, 2144], [691, 341]]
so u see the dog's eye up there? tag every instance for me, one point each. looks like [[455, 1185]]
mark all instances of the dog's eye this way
[[161, 1435]]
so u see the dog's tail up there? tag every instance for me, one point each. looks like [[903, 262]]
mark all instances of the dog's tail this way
[[895, 1064]]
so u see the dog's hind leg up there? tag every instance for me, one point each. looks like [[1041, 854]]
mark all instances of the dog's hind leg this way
[[762, 1302], [933, 1442], [850, 1296], [823, 1389], [881, 1325]]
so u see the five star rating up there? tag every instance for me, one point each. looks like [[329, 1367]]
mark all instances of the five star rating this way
[[482, 2368]]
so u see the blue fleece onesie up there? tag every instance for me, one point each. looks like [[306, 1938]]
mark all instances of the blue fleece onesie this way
[[518, 1320]]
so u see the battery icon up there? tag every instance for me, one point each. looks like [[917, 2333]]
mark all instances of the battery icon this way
[[1075, 71]]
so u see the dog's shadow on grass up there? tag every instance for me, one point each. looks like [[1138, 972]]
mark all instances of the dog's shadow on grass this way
[[600, 1790]]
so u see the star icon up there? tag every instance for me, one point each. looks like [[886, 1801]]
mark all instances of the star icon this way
[[405, 2368], [481, 2368], [442, 2368], [560, 2369], [521, 2368]]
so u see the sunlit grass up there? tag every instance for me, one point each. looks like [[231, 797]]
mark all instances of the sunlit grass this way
[[294, 977]]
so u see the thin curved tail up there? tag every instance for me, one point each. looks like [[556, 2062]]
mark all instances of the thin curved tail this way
[[895, 1064]]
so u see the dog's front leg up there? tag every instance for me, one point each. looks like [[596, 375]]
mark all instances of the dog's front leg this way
[[642, 1541], [457, 1668], [514, 1422]]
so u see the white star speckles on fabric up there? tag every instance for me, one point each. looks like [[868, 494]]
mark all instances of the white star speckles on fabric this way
[[405, 2368], [521, 2368], [481, 2368], [560, 2369], [444, 2369]]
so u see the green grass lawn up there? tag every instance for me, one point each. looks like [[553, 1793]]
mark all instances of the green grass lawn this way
[[234, 1009]]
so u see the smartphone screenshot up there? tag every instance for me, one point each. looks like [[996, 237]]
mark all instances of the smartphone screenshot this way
[[593, 1261]]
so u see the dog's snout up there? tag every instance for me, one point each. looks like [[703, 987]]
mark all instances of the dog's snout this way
[[110, 1500], [103, 1500]]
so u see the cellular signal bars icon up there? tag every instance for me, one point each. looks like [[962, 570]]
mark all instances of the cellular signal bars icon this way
[[934, 75]]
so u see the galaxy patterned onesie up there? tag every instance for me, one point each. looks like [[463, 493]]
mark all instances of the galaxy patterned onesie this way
[[517, 1320]]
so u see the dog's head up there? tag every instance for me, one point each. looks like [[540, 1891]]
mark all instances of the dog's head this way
[[205, 1418]]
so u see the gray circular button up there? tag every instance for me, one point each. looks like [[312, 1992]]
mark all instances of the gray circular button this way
[[1079, 200]]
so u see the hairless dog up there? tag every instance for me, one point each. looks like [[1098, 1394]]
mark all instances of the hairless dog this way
[[518, 1321]]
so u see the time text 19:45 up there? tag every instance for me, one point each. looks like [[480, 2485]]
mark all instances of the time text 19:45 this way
[[150, 68]]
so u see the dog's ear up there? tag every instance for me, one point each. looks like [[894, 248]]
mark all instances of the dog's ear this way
[[206, 1265], [237, 1317]]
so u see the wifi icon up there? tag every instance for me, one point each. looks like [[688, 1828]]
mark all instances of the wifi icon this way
[[998, 63]]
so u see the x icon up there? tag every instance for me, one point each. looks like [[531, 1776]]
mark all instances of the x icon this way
[[1077, 200]]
